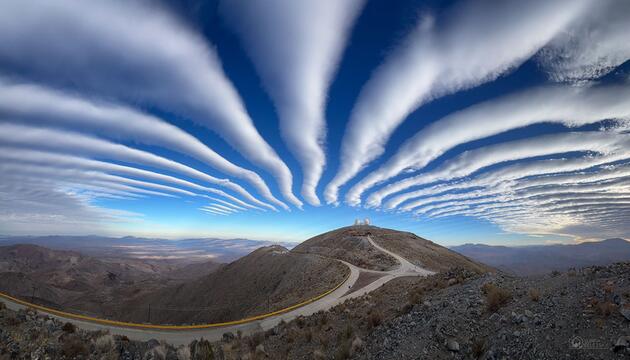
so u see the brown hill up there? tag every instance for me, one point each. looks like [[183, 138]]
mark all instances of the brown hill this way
[[351, 244], [72, 281], [268, 279]]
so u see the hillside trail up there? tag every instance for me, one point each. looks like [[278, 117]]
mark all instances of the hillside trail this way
[[178, 337]]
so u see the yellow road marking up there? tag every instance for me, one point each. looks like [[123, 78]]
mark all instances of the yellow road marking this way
[[169, 327]]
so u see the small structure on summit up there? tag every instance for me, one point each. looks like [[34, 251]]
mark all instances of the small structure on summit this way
[[359, 222]]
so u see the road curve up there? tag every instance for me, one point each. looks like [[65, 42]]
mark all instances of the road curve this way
[[182, 337]]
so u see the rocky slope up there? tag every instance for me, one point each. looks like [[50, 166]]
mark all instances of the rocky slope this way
[[72, 281], [268, 279], [459, 314], [350, 244], [25, 335], [577, 315]]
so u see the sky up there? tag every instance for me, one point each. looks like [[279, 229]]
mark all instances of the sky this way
[[461, 121]]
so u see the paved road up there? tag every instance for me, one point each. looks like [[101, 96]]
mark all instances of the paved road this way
[[179, 337]]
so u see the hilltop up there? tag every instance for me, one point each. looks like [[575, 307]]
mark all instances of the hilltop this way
[[350, 244]]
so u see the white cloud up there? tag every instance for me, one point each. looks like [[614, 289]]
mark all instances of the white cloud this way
[[471, 161], [135, 52], [478, 42], [565, 105], [74, 162], [592, 46], [505, 173], [95, 177], [31, 207], [71, 142], [296, 46], [36, 104]]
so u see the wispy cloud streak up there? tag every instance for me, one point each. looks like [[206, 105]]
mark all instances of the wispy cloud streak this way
[[298, 69], [72, 142], [565, 105], [480, 41], [134, 52], [36, 104]]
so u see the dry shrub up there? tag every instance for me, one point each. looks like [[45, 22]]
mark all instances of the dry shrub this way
[[201, 350], [608, 288], [600, 323], [375, 318], [485, 288], [159, 352], [496, 297], [12, 320], [300, 321], [478, 347], [323, 339], [440, 283], [183, 353], [254, 340], [73, 347], [534, 295], [343, 350], [308, 335], [355, 346], [406, 309], [348, 331], [323, 319], [69, 328], [606, 308], [105, 343], [319, 355], [415, 296]]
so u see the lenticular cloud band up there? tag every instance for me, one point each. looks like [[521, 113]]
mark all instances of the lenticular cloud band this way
[[477, 44], [136, 53], [297, 70]]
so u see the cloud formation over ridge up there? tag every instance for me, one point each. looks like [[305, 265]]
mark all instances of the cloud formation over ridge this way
[[130, 51], [117, 108], [480, 41], [298, 70]]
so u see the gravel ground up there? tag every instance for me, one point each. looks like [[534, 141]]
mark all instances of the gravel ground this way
[[581, 314]]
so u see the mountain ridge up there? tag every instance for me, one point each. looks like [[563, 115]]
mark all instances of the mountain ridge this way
[[540, 259]]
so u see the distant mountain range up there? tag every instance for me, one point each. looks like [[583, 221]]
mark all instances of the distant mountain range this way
[[203, 249], [540, 259]]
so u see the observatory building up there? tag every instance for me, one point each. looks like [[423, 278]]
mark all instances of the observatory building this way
[[358, 222]]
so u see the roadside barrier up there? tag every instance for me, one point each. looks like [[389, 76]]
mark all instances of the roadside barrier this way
[[169, 327]]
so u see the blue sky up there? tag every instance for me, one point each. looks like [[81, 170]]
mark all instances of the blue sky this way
[[462, 121]]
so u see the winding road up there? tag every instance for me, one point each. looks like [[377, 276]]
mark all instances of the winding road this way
[[185, 336]]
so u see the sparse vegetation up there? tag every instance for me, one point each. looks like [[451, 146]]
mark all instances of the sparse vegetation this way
[[201, 350], [608, 287], [478, 347], [74, 347], [534, 294], [496, 297], [183, 353], [69, 328], [375, 318], [606, 308], [105, 343], [343, 350]]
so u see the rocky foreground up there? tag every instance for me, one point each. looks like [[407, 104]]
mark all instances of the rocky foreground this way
[[458, 314], [582, 314]]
